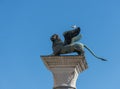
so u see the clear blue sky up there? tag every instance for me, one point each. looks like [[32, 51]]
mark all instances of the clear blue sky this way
[[25, 29]]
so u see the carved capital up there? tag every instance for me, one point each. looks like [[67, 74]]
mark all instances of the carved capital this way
[[65, 69]]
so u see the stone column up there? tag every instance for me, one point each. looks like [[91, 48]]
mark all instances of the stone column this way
[[65, 69]]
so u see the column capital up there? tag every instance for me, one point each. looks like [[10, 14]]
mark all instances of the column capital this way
[[65, 69]]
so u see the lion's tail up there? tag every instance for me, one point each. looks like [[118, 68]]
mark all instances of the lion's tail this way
[[94, 53]]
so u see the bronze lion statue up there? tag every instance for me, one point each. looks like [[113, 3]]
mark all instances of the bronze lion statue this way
[[70, 45], [60, 48]]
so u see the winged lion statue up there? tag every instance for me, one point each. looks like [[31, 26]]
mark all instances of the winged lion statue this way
[[70, 44]]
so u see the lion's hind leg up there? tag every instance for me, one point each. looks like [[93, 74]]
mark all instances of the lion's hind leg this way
[[79, 51]]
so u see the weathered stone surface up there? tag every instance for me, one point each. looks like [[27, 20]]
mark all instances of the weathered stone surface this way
[[65, 69], [64, 87]]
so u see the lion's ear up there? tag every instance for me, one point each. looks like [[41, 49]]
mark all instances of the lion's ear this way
[[57, 36]]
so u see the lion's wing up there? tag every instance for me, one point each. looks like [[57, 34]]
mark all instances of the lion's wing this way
[[68, 35]]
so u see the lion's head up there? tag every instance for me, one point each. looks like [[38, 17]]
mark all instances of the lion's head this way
[[55, 37]]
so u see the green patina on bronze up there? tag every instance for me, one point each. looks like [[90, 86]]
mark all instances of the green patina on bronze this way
[[70, 45], [60, 48]]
